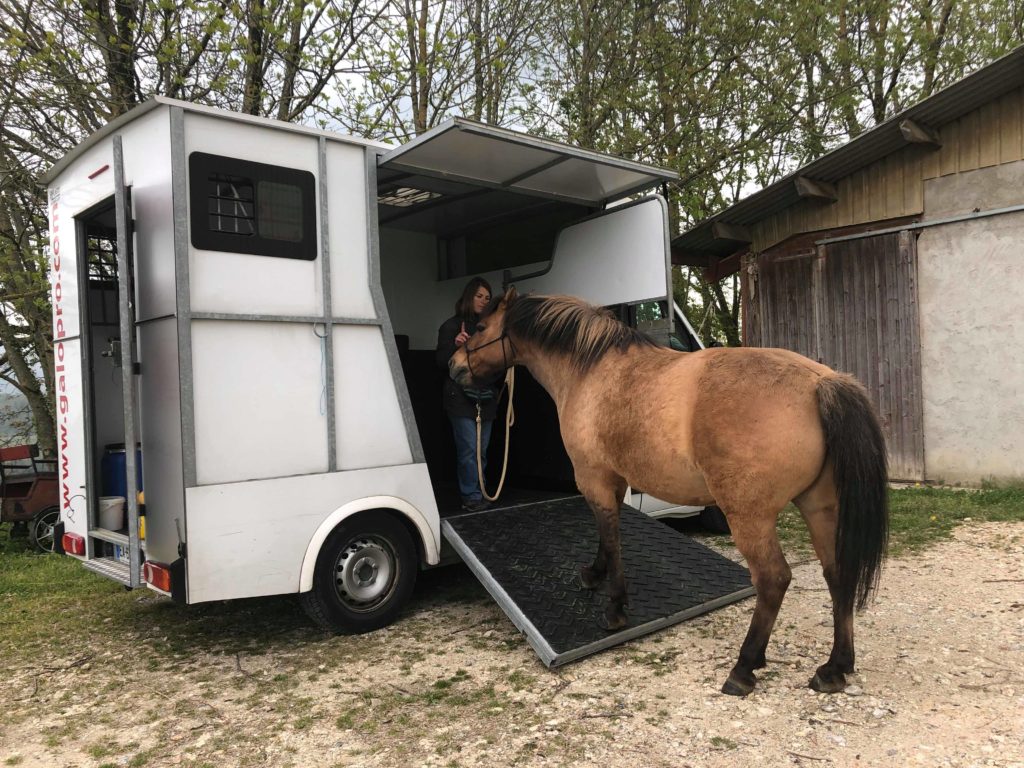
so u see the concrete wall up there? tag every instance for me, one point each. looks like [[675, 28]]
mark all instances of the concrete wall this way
[[971, 289]]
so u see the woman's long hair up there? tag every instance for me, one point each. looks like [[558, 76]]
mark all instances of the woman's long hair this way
[[464, 306]]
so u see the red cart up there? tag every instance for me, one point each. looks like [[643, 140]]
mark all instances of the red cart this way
[[29, 494]]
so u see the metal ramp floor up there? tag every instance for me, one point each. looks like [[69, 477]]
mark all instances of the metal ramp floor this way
[[528, 559]]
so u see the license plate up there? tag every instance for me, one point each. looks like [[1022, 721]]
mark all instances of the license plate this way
[[121, 554]]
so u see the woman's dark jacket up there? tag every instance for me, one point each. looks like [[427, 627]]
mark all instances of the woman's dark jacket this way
[[453, 399]]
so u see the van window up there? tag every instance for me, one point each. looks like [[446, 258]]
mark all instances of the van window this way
[[241, 206]]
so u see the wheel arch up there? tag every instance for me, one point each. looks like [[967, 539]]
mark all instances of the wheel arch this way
[[400, 509]]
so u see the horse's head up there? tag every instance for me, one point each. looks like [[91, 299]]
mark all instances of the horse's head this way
[[489, 351]]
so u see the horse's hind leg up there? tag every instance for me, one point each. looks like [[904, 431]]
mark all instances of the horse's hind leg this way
[[820, 510], [755, 538]]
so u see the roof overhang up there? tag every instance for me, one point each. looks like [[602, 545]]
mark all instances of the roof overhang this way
[[715, 238]]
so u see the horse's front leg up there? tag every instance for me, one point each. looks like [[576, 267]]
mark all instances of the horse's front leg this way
[[605, 501]]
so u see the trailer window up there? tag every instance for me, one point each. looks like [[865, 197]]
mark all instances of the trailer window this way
[[245, 207]]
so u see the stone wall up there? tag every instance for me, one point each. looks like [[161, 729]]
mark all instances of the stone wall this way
[[971, 290]]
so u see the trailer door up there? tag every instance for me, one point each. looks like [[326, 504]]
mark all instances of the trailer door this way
[[129, 353], [471, 174], [483, 156]]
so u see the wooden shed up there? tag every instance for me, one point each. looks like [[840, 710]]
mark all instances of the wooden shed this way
[[898, 257]]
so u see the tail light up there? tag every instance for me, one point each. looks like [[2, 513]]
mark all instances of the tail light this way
[[73, 544], [158, 575]]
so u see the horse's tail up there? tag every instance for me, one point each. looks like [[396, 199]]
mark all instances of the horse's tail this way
[[854, 442]]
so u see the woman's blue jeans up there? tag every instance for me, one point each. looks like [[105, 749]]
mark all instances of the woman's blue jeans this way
[[465, 454]]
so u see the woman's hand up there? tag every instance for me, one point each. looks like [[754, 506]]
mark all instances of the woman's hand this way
[[461, 338]]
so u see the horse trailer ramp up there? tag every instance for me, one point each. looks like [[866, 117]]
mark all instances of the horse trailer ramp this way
[[528, 558]]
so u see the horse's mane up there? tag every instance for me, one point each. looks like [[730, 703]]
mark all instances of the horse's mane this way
[[570, 326]]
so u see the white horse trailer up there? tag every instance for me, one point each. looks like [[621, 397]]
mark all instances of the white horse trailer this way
[[254, 305]]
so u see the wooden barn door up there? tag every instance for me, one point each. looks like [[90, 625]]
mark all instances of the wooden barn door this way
[[853, 306]]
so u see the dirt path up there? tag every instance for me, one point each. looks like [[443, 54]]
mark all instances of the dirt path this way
[[940, 683]]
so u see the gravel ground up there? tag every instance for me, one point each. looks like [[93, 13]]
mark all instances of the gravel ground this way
[[940, 682]]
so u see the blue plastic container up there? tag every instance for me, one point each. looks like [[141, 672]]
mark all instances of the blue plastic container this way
[[114, 470]]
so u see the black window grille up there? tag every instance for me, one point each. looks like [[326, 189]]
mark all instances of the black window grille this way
[[242, 206], [101, 253], [232, 205]]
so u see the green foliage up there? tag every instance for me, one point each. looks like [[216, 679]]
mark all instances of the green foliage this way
[[733, 94]]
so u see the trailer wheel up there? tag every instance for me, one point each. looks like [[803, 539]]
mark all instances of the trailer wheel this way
[[41, 532], [364, 574], [713, 519]]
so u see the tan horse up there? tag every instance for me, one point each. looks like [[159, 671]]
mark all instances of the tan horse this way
[[747, 429]]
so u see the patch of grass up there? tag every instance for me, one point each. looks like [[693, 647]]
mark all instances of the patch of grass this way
[[721, 742], [922, 517], [520, 680], [14, 760], [660, 662], [45, 599], [142, 758], [100, 750]]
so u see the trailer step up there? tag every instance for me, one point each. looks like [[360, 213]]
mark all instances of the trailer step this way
[[110, 568], [528, 559], [112, 536]]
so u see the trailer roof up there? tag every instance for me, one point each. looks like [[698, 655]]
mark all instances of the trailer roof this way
[[157, 101]]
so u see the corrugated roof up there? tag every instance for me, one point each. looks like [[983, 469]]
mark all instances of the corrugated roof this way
[[952, 102]]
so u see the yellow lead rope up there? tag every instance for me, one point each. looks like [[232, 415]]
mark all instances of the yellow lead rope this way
[[510, 382]]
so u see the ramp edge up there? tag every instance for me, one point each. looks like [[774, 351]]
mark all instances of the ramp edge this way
[[632, 633], [494, 589]]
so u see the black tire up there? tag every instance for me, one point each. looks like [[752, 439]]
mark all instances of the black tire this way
[[364, 575], [713, 519], [40, 533]]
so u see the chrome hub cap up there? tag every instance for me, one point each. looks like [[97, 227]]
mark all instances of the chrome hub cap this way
[[365, 573]]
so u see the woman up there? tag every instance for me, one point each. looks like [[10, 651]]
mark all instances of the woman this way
[[461, 410]]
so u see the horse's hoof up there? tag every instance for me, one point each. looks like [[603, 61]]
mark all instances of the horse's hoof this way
[[614, 620], [738, 684], [590, 578], [828, 681]]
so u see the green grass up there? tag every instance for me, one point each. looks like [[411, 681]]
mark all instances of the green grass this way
[[921, 517], [45, 599]]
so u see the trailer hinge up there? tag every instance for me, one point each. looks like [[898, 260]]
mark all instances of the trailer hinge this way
[[137, 369], [182, 550]]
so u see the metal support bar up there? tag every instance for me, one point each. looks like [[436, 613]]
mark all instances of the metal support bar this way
[[923, 224], [287, 318], [328, 340], [125, 268]]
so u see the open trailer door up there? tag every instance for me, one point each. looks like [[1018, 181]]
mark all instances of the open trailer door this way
[[117, 546], [484, 156], [611, 254], [129, 356]]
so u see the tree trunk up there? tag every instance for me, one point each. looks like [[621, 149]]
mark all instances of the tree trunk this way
[[291, 57], [114, 34], [255, 58], [476, 25]]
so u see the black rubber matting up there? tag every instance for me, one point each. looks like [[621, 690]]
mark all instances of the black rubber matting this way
[[528, 558]]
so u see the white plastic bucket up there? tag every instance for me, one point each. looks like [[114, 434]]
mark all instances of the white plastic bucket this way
[[112, 512]]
